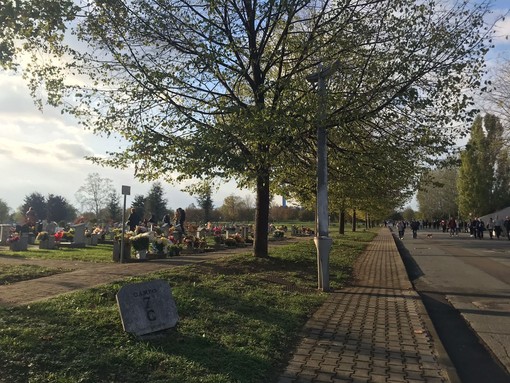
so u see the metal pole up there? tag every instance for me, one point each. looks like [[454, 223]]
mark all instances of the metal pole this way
[[322, 241], [123, 230]]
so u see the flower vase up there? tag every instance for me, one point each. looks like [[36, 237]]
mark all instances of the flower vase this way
[[141, 254]]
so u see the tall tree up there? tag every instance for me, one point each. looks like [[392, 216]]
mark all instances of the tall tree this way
[[113, 208], [4, 212], [37, 202], [477, 177], [155, 202], [231, 208], [204, 199], [498, 99], [94, 194], [139, 204], [438, 195], [218, 89], [59, 209]]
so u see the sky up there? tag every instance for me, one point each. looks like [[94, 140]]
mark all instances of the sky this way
[[44, 151]]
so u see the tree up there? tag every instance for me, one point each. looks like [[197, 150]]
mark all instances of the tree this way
[[155, 203], [437, 196], [4, 212], [59, 209], [222, 92], [204, 200], [498, 99], [483, 182], [139, 204], [37, 202], [113, 208], [94, 194], [232, 207]]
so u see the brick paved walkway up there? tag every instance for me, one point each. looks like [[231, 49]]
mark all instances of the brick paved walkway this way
[[375, 331]]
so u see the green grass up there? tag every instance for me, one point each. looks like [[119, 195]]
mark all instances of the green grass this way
[[18, 273], [99, 253], [239, 318]]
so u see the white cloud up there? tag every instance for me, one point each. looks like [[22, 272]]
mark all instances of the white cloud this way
[[44, 152]]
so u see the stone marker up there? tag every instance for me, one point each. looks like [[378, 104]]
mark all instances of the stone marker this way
[[147, 307], [5, 231], [79, 234]]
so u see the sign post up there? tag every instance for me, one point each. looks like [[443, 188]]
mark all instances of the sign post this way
[[126, 190]]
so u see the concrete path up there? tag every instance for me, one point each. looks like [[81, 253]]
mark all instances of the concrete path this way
[[374, 331]]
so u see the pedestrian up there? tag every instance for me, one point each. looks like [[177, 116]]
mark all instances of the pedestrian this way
[[179, 218], [480, 228], [452, 226], [167, 222], [401, 229], [490, 227], [415, 225], [133, 220], [497, 227], [506, 224]]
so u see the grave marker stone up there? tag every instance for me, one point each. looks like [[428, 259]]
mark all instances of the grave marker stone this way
[[79, 234], [147, 307], [5, 231]]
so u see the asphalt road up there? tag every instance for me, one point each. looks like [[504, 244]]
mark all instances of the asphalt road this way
[[465, 285]]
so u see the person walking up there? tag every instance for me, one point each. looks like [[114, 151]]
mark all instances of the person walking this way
[[415, 225], [133, 220], [506, 224], [490, 227], [497, 227], [401, 229]]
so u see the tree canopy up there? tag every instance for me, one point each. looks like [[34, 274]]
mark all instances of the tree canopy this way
[[484, 181], [219, 89]]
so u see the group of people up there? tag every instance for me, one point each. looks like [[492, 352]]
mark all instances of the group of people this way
[[177, 223], [475, 227]]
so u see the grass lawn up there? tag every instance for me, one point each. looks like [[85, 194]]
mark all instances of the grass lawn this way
[[239, 319], [18, 273], [99, 253]]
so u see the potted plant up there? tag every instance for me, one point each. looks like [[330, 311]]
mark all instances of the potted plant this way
[[140, 243]]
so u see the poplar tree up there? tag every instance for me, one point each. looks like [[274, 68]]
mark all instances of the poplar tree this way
[[483, 182]]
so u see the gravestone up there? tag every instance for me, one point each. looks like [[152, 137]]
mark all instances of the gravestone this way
[[5, 231], [51, 227], [147, 307], [79, 234]]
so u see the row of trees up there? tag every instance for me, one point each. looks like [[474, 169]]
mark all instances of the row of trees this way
[[219, 89], [101, 203], [479, 182]]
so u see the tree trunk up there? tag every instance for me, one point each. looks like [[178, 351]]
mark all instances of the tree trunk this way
[[353, 219], [260, 243], [341, 222]]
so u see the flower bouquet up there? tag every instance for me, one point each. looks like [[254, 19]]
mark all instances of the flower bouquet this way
[[140, 243], [43, 236], [15, 243], [46, 241], [160, 245]]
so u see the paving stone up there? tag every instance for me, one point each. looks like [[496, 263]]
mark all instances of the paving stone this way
[[372, 331]]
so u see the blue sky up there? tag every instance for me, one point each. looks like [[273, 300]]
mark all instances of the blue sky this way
[[43, 152]]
